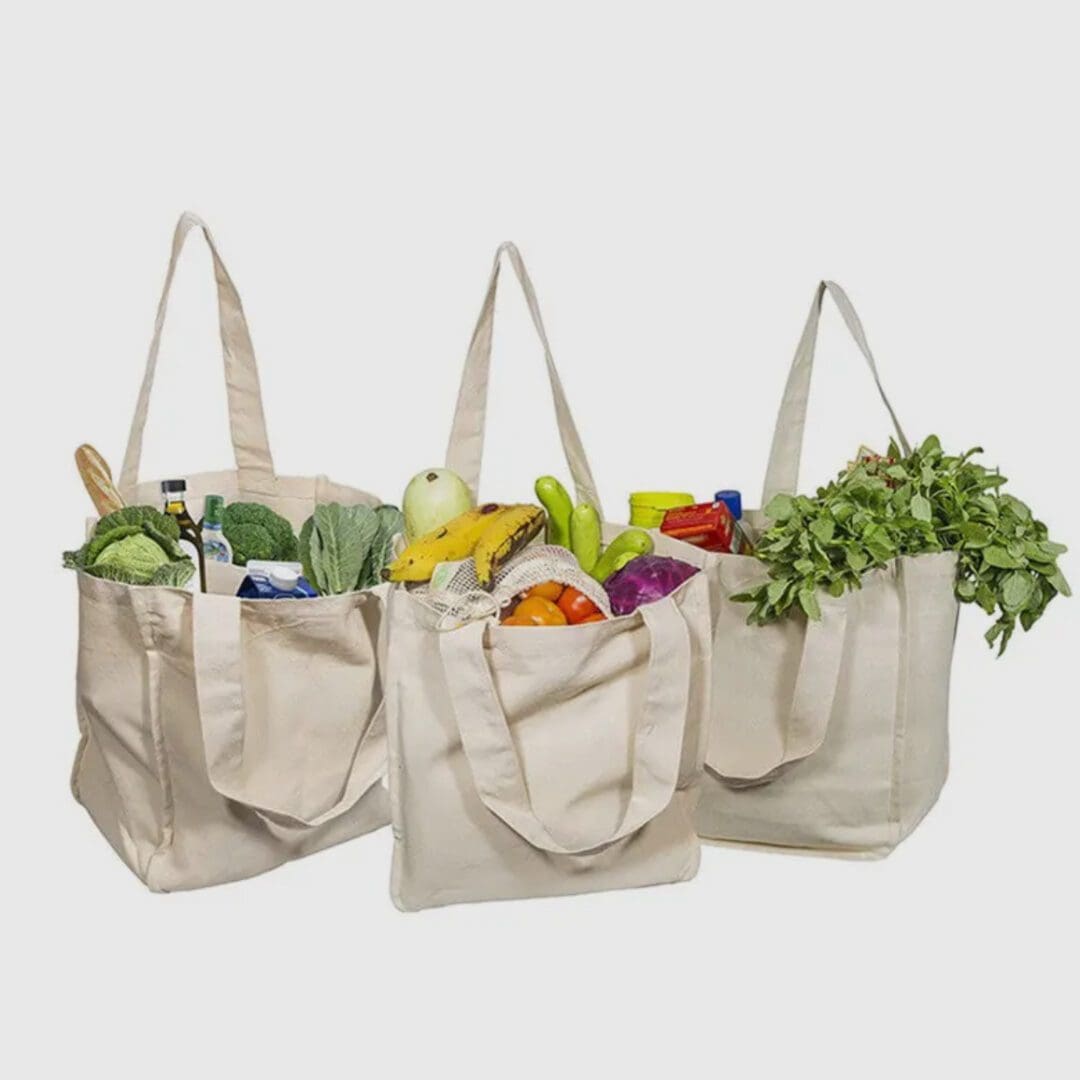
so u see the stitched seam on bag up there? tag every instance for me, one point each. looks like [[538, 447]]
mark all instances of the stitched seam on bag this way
[[903, 673], [123, 825], [149, 627], [84, 737]]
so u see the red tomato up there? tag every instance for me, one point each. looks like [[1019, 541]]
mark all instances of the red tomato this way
[[598, 617], [576, 606]]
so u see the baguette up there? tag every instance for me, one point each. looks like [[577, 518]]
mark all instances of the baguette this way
[[97, 478]]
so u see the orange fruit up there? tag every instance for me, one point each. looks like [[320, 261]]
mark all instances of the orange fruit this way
[[548, 590], [539, 611]]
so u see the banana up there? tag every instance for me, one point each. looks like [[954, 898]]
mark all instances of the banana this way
[[505, 537], [455, 540]]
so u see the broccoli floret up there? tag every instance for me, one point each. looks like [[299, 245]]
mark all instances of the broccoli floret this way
[[250, 542], [255, 532]]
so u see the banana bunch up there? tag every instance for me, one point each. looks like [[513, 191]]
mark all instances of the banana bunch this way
[[492, 534]]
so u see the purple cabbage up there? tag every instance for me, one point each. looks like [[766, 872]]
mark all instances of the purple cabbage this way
[[645, 579]]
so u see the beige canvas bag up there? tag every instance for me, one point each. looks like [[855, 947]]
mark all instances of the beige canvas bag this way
[[828, 735], [221, 737], [549, 760]]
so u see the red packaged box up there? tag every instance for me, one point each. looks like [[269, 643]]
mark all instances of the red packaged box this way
[[706, 525]]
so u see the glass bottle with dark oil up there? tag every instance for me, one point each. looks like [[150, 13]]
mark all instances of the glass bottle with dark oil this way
[[174, 496]]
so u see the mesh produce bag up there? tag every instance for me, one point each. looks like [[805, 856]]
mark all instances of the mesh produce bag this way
[[463, 599]]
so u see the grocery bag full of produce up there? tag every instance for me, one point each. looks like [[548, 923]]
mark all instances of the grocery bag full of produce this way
[[551, 746], [219, 736], [834, 641]]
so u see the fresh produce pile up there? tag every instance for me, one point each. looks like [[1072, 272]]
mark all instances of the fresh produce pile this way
[[552, 604], [340, 548], [491, 535], [895, 505], [137, 545]]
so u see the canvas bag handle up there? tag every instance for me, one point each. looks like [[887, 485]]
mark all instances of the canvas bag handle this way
[[465, 451], [782, 475], [493, 759], [811, 703], [246, 421], [219, 683]]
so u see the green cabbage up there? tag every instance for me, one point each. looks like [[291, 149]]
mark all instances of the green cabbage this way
[[139, 515], [135, 546]]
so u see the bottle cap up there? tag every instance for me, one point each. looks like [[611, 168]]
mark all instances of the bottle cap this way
[[172, 487], [212, 509], [283, 577], [732, 500]]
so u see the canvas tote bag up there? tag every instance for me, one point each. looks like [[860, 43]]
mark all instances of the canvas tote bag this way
[[829, 735], [221, 737], [549, 760]]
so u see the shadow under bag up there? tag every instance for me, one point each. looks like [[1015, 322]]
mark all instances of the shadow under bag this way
[[829, 735], [543, 761], [221, 737]]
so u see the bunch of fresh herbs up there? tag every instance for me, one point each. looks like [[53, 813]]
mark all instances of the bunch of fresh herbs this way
[[926, 502]]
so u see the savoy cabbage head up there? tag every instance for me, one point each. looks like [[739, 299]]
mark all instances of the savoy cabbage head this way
[[135, 546]]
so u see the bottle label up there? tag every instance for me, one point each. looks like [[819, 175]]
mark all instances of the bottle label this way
[[216, 550]]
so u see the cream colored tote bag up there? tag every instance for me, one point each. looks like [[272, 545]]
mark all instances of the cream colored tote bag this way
[[828, 735], [221, 737], [549, 760]]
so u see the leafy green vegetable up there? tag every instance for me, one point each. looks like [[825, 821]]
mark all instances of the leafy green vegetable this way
[[344, 548], [135, 546], [391, 521], [255, 532], [913, 505], [139, 515]]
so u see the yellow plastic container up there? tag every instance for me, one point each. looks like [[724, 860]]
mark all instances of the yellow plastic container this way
[[647, 508]]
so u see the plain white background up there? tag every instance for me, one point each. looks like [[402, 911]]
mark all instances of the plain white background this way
[[678, 178]]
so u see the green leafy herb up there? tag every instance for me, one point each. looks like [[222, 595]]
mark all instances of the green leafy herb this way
[[926, 502]]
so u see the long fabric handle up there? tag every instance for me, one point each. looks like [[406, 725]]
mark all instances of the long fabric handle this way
[[219, 682], [783, 472], [812, 701], [465, 451], [246, 421], [493, 759]]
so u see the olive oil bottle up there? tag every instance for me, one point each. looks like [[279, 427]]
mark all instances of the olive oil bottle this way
[[173, 493]]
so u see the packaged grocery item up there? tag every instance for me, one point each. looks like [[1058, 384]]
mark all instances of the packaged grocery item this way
[[215, 546], [733, 501], [275, 581], [705, 525], [173, 494], [647, 508]]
